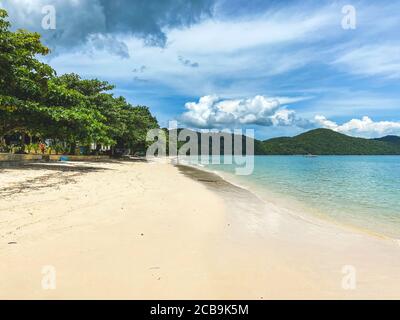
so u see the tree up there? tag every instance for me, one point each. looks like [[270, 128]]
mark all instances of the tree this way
[[23, 78], [66, 109], [138, 121]]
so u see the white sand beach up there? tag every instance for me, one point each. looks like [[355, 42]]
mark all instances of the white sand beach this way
[[137, 230]]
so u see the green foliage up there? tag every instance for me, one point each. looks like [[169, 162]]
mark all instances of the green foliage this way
[[316, 142], [390, 139], [66, 109], [327, 142]]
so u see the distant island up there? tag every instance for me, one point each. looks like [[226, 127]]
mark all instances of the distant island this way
[[328, 142], [318, 142]]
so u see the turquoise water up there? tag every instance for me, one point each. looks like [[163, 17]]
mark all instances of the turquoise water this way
[[361, 191]]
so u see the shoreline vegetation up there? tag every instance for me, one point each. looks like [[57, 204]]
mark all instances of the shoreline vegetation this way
[[41, 112], [328, 142]]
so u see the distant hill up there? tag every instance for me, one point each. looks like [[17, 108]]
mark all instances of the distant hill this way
[[329, 142], [319, 142], [390, 139]]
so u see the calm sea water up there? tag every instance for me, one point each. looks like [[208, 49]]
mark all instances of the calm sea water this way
[[361, 191]]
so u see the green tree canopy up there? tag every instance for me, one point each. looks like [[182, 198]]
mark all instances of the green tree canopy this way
[[66, 108]]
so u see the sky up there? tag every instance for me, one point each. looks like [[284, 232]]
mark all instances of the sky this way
[[278, 67]]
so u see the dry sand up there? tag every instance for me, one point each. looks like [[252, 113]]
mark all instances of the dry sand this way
[[135, 230]]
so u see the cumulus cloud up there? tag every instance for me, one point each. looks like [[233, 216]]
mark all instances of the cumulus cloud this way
[[361, 127], [77, 20], [213, 112]]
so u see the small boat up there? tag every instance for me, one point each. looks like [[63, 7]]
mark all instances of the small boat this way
[[311, 155]]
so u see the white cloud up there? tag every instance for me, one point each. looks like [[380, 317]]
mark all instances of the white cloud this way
[[211, 112], [362, 127], [373, 60], [289, 25], [283, 117], [237, 56], [245, 50]]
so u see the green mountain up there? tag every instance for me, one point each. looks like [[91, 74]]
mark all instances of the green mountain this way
[[390, 139], [328, 142], [316, 142]]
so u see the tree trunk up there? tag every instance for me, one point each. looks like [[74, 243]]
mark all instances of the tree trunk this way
[[72, 148]]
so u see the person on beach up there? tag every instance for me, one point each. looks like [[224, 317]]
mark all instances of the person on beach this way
[[42, 147]]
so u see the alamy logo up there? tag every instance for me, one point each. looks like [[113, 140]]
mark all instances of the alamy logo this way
[[349, 280], [49, 21], [349, 20], [48, 278], [205, 147]]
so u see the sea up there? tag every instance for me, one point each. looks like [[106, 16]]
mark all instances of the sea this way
[[361, 192]]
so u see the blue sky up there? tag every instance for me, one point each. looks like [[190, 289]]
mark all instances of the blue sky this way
[[280, 67]]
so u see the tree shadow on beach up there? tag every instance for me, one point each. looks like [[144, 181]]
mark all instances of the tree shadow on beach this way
[[62, 167], [54, 175], [137, 159]]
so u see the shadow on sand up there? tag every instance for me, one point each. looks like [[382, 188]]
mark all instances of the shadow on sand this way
[[55, 174]]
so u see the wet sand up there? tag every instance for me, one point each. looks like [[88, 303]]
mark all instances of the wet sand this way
[[323, 253]]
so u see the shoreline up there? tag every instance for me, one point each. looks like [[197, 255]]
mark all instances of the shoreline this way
[[313, 224], [295, 208], [135, 230]]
